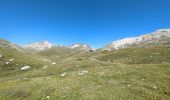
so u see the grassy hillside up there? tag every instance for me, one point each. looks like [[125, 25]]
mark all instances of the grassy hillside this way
[[12, 60], [61, 53], [89, 76], [149, 55]]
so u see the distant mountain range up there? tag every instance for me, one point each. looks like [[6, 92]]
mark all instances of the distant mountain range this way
[[7, 44], [159, 37], [81, 46], [40, 46]]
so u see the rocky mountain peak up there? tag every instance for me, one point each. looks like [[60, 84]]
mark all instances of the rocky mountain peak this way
[[80, 46], [39, 45], [161, 36]]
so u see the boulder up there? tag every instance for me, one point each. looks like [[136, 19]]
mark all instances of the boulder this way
[[25, 67]]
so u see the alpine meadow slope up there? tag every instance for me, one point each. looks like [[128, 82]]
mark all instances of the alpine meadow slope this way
[[133, 68]]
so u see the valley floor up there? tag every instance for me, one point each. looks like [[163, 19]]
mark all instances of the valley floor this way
[[87, 77]]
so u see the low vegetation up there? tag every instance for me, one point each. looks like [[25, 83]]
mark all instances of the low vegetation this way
[[131, 73]]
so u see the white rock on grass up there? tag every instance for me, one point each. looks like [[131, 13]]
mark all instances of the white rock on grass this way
[[164, 62], [53, 63], [11, 60], [0, 56], [82, 72], [24, 78], [57, 56], [154, 87], [77, 66], [156, 53], [94, 59], [108, 61], [48, 78], [62, 75], [45, 67], [7, 63], [47, 97], [25, 68]]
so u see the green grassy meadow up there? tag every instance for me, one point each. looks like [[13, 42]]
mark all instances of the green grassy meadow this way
[[126, 74]]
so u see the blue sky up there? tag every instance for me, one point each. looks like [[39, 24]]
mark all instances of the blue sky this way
[[94, 22]]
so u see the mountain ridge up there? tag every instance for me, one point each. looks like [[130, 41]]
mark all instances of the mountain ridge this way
[[160, 36], [43, 45], [39, 46]]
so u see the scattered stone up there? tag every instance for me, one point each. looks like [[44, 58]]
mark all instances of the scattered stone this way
[[7, 63], [0, 56], [156, 53], [164, 63], [57, 56], [151, 56], [82, 72], [47, 60], [11, 60], [48, 78], [24, 78], [53, 63], [62, 75], [154, 87], [108, 61], [94, 59], [128, 85], [77, 66], [25, 67], [17, 64], [47, 97], [45, 67]]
